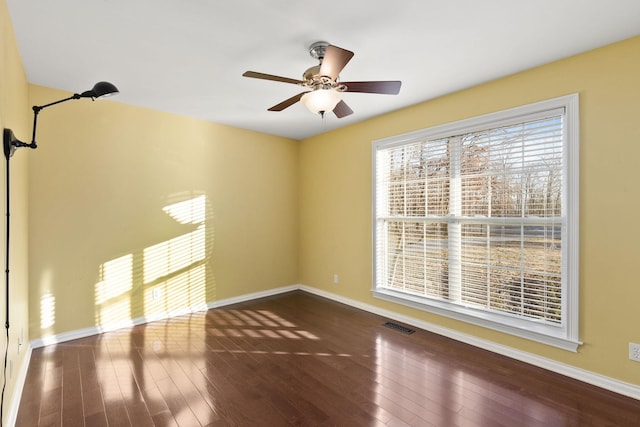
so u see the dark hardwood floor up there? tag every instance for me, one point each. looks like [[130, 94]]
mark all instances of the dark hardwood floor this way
[[298, 359]]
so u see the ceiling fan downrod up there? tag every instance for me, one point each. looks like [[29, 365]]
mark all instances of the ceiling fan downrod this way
[[318, 49]]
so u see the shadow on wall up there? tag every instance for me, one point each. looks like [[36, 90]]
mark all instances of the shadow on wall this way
[[168, 278]]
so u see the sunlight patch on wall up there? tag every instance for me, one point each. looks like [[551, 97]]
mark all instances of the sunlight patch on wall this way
[[186, 290], [167, 278], [173, 255], [174, 270], [47, 311], [113, 304], [192, 211]]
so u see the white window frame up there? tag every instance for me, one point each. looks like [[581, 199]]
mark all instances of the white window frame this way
[[564, 335]]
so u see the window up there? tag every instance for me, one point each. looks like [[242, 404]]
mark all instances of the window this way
[[478, 220]]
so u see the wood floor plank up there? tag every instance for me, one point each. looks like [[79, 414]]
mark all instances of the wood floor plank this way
[[51, 404], [298, 360], [164, 419], [116, 412], [98, 419], [177, 404]]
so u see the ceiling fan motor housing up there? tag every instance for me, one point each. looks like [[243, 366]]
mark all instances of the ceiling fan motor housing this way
[[314, 80], [318, 49], [311, 72]]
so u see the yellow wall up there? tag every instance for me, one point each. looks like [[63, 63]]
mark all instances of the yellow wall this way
[[126, 200], [335, 199], [15, 115]]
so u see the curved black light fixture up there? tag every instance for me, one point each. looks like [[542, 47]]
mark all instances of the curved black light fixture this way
[[11, 143]]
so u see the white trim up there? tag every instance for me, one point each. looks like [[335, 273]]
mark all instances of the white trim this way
[[507, 324], [17, 389], [572, 204], [608, 383], [252, 296], [95, 330], [565, 336], [500, 118], [611, 384]]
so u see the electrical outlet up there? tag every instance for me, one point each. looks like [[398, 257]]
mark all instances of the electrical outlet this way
[[634, 352], [20, 339], [336, 279]]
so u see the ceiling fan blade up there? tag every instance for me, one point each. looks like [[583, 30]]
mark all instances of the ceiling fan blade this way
[[287, 102], [383, 87], [264, 76], [342, 109], [335, 58]]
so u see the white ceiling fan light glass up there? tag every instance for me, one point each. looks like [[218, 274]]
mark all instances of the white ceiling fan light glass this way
[[321, 100]]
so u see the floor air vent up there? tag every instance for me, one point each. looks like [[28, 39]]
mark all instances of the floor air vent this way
[[399, 328]]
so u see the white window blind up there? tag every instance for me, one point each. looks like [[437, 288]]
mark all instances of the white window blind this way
[[475, 221]]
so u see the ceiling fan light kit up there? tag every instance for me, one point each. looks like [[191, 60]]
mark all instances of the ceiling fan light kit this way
[[325, 89], [321, 100]]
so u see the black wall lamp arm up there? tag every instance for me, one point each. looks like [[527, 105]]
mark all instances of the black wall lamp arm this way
[[11, 143]]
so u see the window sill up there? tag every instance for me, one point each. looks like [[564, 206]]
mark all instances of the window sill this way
[[545, 334]]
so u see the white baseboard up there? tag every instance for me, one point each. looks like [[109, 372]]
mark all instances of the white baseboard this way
[[252, 296], [17, 390], [620, 387], [94, 330]]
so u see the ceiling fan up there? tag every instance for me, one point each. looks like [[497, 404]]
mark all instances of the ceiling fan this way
[[326, 90]]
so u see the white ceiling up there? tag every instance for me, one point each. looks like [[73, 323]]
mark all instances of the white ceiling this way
[[187, 56]]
